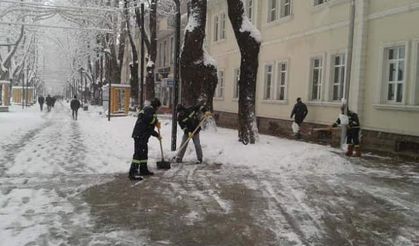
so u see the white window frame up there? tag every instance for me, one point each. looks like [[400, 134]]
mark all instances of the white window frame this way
[[220, 27], [415, 70], [250, 13], [219, 90], [172, 50], [277, 13], [268, 96], [341, 78], [216, 27], [278, 84], [319, 96], [386, 82], [236, 79]]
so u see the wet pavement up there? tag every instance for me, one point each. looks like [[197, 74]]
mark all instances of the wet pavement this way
[[375, 204]]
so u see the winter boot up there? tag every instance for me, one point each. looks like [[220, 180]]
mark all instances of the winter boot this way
[[357, 151], [199, 161], [350, 150], [133, 172], [144, 170]]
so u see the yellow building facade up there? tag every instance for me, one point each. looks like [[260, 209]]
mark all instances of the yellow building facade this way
[[304, 54]]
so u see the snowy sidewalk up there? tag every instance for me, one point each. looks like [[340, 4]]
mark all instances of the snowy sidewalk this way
[[63, 182]]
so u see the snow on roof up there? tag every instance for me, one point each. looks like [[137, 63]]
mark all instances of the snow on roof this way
[[4, 82]]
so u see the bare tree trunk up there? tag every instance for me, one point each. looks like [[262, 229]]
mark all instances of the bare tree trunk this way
[[152, 52], [134, 66], [199, 74], [248, 39]]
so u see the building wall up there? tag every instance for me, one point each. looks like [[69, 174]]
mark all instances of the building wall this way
[[322, 31]]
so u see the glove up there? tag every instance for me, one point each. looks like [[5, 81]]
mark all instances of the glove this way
[[190, 134], [208, 114], [158, 125]]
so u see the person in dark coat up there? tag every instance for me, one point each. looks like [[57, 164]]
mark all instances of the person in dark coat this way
[[352, 132], [299, 112], [48, 100], [143, 130], [189, 119], [41, 101], [74, 105]]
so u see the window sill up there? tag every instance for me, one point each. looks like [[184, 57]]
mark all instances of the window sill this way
[[330, 3], [283, 102], [218, 98], [279, 21], [220, 41], [406, 108], [324, 104]]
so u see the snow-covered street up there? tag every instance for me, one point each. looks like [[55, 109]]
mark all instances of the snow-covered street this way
[[64, 182]]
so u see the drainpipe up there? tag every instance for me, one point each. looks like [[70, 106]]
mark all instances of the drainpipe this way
[[348, 64]]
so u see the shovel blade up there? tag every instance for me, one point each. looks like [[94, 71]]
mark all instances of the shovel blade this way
[[163, 165]]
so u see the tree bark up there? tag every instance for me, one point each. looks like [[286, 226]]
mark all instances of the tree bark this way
[[152, 53], [199, 75], [134, 66], [249, 46]]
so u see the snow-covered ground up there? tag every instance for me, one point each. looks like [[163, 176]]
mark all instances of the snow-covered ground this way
[[53, 168]]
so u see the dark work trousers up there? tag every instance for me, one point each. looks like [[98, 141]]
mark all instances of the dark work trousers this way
[[352, 136], [140, 152], [42, 106], [75, 112]]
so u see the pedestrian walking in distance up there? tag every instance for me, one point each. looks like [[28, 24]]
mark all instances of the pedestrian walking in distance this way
[[189, 119], [352, 132], [74, 105], [144, 128], [299, 112], [48, 100], [41, 101]]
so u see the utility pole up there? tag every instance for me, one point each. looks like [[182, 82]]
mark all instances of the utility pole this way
[[142, 59], [176, 75]]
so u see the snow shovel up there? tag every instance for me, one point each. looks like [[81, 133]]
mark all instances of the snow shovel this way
[[189, 138], [162, 164]]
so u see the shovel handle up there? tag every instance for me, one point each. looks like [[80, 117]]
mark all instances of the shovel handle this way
[[161, 146], [191, 136]]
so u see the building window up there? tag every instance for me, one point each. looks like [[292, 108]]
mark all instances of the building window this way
[[281, 82], [172, 49], [272, 10], [278, 9], [316, 78], [220, 27], [216, 27], [319, 2], [236, 83], [164, 52], [219, 90], [338, 76], [249, 10], [395, 73], [160, 54], [268, 82], [285, 8]]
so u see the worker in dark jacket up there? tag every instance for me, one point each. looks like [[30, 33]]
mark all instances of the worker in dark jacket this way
[[352, 134], [143, 129], [189, 120], [75, 105], [41, 101], [300, 112]]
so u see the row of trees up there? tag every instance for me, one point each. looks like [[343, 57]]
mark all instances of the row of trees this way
[[95, 51]]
